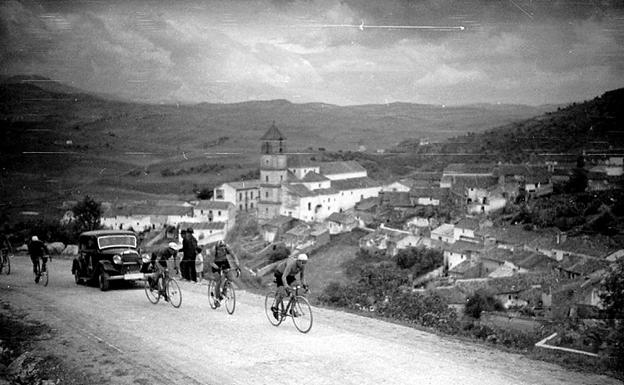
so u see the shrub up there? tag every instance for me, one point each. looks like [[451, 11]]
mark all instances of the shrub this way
[[481, 301]]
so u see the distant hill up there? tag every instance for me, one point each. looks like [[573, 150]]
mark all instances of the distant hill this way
[[112, 149], [592, 126]]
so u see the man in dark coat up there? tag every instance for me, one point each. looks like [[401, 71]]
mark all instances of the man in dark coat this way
[[190, 250]]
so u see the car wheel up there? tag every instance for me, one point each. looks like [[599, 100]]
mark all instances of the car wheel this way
[[103, 281]]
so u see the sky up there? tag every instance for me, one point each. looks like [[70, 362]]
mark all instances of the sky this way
[[349, 52]]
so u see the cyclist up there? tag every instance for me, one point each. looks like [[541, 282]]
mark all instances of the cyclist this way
[[159, 262], [288, 268], [222, 264], [38, 250]]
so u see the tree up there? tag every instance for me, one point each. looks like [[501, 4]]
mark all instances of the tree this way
[[87, 214], [481, 301], [613, 296]]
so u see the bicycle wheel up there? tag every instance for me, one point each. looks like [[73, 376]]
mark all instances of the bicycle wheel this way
[[301, 313], [274, 310], [212, 298], [44, 277], [173, 292], [152, 293], [229, 295]]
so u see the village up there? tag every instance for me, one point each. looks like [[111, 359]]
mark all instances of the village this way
[[302, 204]]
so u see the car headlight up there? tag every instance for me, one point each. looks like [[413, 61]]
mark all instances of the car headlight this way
[[146, 258], [117, 259]]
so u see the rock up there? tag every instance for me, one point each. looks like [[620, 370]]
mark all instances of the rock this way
[[24, 369], [56, 248], [70, 250]]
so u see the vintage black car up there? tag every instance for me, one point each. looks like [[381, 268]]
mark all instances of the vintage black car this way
[[108, 255]]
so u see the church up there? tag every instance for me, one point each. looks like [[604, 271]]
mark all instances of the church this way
[[302, 189]]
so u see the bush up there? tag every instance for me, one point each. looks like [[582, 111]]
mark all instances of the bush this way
[[279, 252], [481, 301]]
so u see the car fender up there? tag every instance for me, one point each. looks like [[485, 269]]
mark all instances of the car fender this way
[[107, 266]]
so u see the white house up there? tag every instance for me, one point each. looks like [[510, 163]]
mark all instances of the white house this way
[[214, 211], [465, 229], [445, 233], [143, 217], [244, 195]]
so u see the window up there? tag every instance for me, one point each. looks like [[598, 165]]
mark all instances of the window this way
[[281, 178], [267, 178], [219, 213], [240, 196], [240, 206], [219, 194], [202, 212], [251, 205], [266, 194], [309, 206], [251, 194]]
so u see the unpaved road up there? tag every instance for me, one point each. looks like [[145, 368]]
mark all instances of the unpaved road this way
[[118, 337]]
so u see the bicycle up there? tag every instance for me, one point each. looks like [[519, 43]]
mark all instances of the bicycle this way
[[162, 285], [298, 308], [42, 272], [228, 294], [5, 262]]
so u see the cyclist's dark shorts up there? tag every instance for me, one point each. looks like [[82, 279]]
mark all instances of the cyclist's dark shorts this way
[[289, 279], [223, 265]]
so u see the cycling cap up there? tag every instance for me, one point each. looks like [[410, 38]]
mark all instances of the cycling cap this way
[[302, 257], [34, 238], [174, 246]]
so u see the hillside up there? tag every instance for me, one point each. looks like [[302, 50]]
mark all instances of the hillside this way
[[592, 126], [114, 149]]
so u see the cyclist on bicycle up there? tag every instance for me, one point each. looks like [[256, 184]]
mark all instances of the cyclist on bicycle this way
[[221, 264], [37, 250], [289, 268], [159, 262]]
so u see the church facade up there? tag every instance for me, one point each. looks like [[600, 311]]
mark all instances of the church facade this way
[[306, 190]]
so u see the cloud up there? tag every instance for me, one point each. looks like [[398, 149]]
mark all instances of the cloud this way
[[305, 50]]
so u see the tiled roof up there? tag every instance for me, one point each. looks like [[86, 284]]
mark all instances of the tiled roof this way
[[497, 254], [299, 190], [468, 223], [273, 134], [445, 229], [342, 218], [213, 205], [245, 184], [532, 261], [581, 265], [300, 161], [463, 246], [354, 183], [367, 204], [469, 168], [144, 210], [202, 225], [513, 235], [594, 246], [396, 199], [314, 177], [332, 168], [461, 182]]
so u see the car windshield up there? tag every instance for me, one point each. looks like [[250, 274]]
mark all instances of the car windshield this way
[[117, 241]]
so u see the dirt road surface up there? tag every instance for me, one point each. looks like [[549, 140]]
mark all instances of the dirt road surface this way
[[118, 337]]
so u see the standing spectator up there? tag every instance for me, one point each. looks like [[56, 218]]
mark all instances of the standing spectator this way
[[199, 265], [190, 250], [37, 250], [180, 254]]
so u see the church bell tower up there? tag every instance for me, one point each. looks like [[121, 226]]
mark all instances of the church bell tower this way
[[273, 172]]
